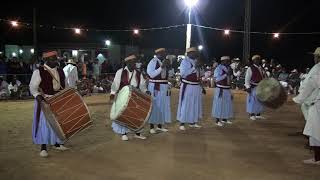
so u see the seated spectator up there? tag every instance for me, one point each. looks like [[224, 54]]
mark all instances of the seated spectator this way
[[276, 71], [15, 80], [106, 83], [283, 76], [14, 88], [4, 91], [98, 88]]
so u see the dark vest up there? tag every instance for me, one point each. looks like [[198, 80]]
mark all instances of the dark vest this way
[[46, 81], [257, 76], [125, 79]]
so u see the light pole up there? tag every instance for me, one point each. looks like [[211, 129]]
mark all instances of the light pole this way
[[247, 29], [190, 4]]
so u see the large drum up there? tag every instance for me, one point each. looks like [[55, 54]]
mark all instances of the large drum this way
[[66, 113], [271, 93], [131, 108]]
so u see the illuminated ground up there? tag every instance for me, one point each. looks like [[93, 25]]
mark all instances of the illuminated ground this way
[[245, 150]]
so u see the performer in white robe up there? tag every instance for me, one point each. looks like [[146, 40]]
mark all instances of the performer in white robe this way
[[309, 98], [160, 91], [254, 75], [222, 108], [50, 80], [127, 76], [71, 73], [190, 98]]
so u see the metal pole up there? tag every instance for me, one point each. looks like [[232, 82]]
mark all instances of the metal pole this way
[[35, 43], [247, 29], [188, 33]]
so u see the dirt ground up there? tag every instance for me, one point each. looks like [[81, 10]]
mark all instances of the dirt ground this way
[[247, 150]]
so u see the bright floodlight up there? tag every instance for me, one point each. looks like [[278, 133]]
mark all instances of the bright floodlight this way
[[200, 47], [74, 53], [276, 35], [32, 51], [136, 31], [14, 23], [14, 54], [108, 42], [191, 3], [226, 32], [20, 51], [77, 30]]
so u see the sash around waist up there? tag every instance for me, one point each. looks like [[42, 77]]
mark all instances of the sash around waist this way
[[190, 82], [159, 81], [222, 86]]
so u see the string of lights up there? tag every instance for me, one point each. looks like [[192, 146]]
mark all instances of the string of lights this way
[[275, 34], [78, 30], [136, 31]]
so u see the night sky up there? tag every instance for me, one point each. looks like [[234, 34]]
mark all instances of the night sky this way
[[267, 16]]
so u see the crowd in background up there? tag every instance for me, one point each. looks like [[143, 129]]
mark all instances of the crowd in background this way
[[15, 75], [96, 77]]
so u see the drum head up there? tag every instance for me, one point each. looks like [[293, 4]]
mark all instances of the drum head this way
[[52, 120], [120, 103], [268, 89]]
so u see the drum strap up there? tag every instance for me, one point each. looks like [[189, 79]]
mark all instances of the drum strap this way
[[220, 92], [38, 112], [53, 77], [37, 117]]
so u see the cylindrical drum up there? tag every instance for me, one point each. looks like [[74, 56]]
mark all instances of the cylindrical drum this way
[[67, 113], [271, 93], [132, 108]]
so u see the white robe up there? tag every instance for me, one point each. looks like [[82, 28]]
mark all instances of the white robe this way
[[117, 128], [71, 73], [309, 97], [161, 110]]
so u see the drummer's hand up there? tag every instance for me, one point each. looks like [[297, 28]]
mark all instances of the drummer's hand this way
[[40, 98], [149, 93], [248, 90], [111, 97]]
